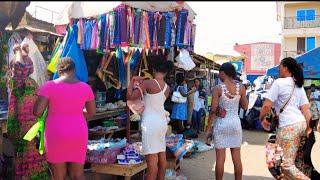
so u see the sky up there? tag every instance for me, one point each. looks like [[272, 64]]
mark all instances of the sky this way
[[219, 24]]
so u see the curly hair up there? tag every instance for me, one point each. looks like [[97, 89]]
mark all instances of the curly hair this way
[[161, 64], [229, 70], [65, 64], [295, 69]]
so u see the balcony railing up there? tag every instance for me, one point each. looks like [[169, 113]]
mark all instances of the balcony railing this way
[[292, 53], [293, 23]]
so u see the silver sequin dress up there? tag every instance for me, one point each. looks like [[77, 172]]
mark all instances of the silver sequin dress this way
[[227, 131]]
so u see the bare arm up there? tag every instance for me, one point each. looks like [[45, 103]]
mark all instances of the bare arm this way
[[305, 109], [267, 105], [40, 106], [243, 101], [214, 106], [188, 93], [90, 109]]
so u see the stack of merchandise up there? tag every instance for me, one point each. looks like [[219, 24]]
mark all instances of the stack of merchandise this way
[[129, 156], [179, 146], [104, 151]]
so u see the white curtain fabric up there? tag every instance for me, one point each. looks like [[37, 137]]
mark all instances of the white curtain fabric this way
[[14, 39], [39, 65]]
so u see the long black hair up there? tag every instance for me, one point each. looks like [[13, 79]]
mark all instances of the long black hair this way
[[229, 70], [161, 64], [295, 69]]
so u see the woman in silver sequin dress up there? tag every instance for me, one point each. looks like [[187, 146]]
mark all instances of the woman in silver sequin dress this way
[[226, 129]]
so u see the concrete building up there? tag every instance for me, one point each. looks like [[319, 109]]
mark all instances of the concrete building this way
[[300, 21]]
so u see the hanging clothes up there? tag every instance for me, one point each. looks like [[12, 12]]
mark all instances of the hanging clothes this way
[[123, 25], [39, 65], [135, 61], [181, 24], [162, 31], [137, 24], [79, 37], [116, 40], [187, 34], [102, 33], [87, 35], [112, 26], [157, 18], [167, 36], [94, 35], [130, 25], [72, 49], [146, 37], [122, 69], [151, 27]]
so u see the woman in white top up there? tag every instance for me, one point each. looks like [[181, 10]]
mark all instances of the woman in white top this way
[[294, 119], [154, 119]]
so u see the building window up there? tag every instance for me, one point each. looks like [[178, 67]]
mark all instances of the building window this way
[[305, 44], [306, 14]]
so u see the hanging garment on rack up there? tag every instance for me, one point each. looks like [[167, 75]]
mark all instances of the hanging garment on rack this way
[[94, 35], [107, 41], [168, 31], [39, 65], [80, 31], [52, 67], [14, 39], [146, 37], [135, 61], [122, 69], [72, 49], [122, 13], [173, 29], [130, 30], [137, 24], [157, 17], [102, 33], [193, 36], [187, 34], [116, 41], [151, 27], [87, 35], [161, 31], [142, 35], [181, 24], [111, 71], [112, 20]]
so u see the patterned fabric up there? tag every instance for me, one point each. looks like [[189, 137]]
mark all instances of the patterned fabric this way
[[28, 162], [227, 131], [289, 139]]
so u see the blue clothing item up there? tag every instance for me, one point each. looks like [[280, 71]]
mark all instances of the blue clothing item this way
[[72, 49], [180, 110], [87, 34], [196, 118], [116, 40], [182, 19], [135, 61], [151, 26], [122, 68], [167, 39], [102, 31]]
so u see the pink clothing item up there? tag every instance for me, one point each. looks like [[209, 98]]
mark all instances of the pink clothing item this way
[[66, 131], [95, 35]]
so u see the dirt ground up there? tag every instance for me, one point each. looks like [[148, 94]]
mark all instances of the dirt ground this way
[[201, 165]]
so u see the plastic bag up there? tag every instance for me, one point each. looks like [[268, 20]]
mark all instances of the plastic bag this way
[[185, 61]]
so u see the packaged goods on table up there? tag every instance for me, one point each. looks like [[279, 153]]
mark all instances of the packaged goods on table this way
[[129, 156]]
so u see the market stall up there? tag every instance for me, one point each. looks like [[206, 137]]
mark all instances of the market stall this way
[[109, 45]]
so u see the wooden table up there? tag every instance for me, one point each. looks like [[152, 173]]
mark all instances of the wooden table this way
[[107, 114], [119, 170], [105, 133]]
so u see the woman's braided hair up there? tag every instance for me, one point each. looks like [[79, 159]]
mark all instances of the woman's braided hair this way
[[65, 64]]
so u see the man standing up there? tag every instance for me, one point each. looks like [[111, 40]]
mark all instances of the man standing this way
[[198, 104]]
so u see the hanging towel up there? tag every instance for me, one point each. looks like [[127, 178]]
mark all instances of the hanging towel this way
[[182, 19], [107, 31], [112, 18], [146, 40], [94, 35], [135, 61], [102, 33], [116, 40], [72, 49]]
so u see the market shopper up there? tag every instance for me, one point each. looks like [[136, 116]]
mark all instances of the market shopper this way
[[179, 113], [66, 131], [198, 106], [28, 163], [287, 93], [154, 119], [227, 131]]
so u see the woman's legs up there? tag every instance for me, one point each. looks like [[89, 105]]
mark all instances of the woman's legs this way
[[236, 159], [58, 171], [152, 166], [76, 171], [220, 159], [289, 138], [162, 166]]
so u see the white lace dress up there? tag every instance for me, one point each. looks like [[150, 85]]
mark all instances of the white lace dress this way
[[227, 131]]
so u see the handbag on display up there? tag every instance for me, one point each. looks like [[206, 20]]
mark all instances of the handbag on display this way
[[137, 106], [177, 97]]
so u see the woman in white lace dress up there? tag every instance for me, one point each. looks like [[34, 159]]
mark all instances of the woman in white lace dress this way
[[226, 129]]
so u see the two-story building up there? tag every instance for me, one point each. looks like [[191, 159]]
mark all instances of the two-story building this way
[[300, 21]]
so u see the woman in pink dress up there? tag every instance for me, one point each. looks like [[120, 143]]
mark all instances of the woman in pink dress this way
[[66, 131]]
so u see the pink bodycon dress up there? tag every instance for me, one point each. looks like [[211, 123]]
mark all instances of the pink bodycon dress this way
[[66, 130]]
